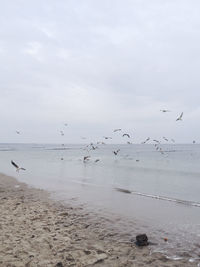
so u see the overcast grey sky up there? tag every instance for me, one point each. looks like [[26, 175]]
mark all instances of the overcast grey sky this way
[[99, 65]]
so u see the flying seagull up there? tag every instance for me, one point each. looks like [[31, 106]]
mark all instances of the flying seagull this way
[[16, 166], [93, 147], [62, 133], [117, 130], [86, 158], [180, 117], [107, 137], [146, 140], [165, 138], [164, 110], [126, 135], [116, 152]]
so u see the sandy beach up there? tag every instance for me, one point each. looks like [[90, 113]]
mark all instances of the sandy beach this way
[[37, 231]]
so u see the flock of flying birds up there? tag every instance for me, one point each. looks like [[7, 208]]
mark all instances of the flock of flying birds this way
[[92, 146]]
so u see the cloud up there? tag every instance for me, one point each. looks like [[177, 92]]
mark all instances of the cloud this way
[[99, 65]]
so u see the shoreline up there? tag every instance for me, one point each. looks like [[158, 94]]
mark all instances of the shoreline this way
[[39, 231]]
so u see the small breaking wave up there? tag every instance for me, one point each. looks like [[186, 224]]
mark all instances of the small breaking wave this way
[[179, 201]]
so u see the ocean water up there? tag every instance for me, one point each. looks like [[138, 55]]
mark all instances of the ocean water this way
[[163, 188]]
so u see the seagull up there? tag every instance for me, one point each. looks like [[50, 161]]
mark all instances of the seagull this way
[[17, 132], [97, 160], [129, 143], [146, 140], [180, 117], [116, 152], [117, 130], [86, 158], [165, 138], [94, 147], [107, 137], [16, 166], [194, 142], [62, 133], [126, 135], [156, 141], [164, 110]]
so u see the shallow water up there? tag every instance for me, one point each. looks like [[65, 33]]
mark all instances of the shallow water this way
[[164, 188]]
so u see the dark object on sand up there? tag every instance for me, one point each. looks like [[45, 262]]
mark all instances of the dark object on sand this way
[[142, 240], [59, 264]]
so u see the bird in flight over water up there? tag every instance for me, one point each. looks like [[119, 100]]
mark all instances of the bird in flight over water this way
[[116, 152], [165, 139], [107, 137], [86, 158], [16, 166], [126, 135], [164, 110], [180, 117], [117, 130], [144, 142]]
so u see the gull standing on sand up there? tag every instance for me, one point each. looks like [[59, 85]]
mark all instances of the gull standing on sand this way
[[16, 166], [180, 117]]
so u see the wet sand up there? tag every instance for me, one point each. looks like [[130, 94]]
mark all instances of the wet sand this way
[[37, 231]]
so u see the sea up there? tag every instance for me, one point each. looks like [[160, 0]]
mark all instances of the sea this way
[[158, 189]]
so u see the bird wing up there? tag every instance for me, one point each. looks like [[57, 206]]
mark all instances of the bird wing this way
[[126, 135], [181, 115], [23, 169], [14, 164]]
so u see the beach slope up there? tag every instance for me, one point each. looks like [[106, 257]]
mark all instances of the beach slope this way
[[37, 231]]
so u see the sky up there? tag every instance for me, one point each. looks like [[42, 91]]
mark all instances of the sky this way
[[99, 65]]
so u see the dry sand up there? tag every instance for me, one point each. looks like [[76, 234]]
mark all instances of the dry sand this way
[[37, 231]]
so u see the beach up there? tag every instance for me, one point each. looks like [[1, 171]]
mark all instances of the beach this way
[[38, 231]]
